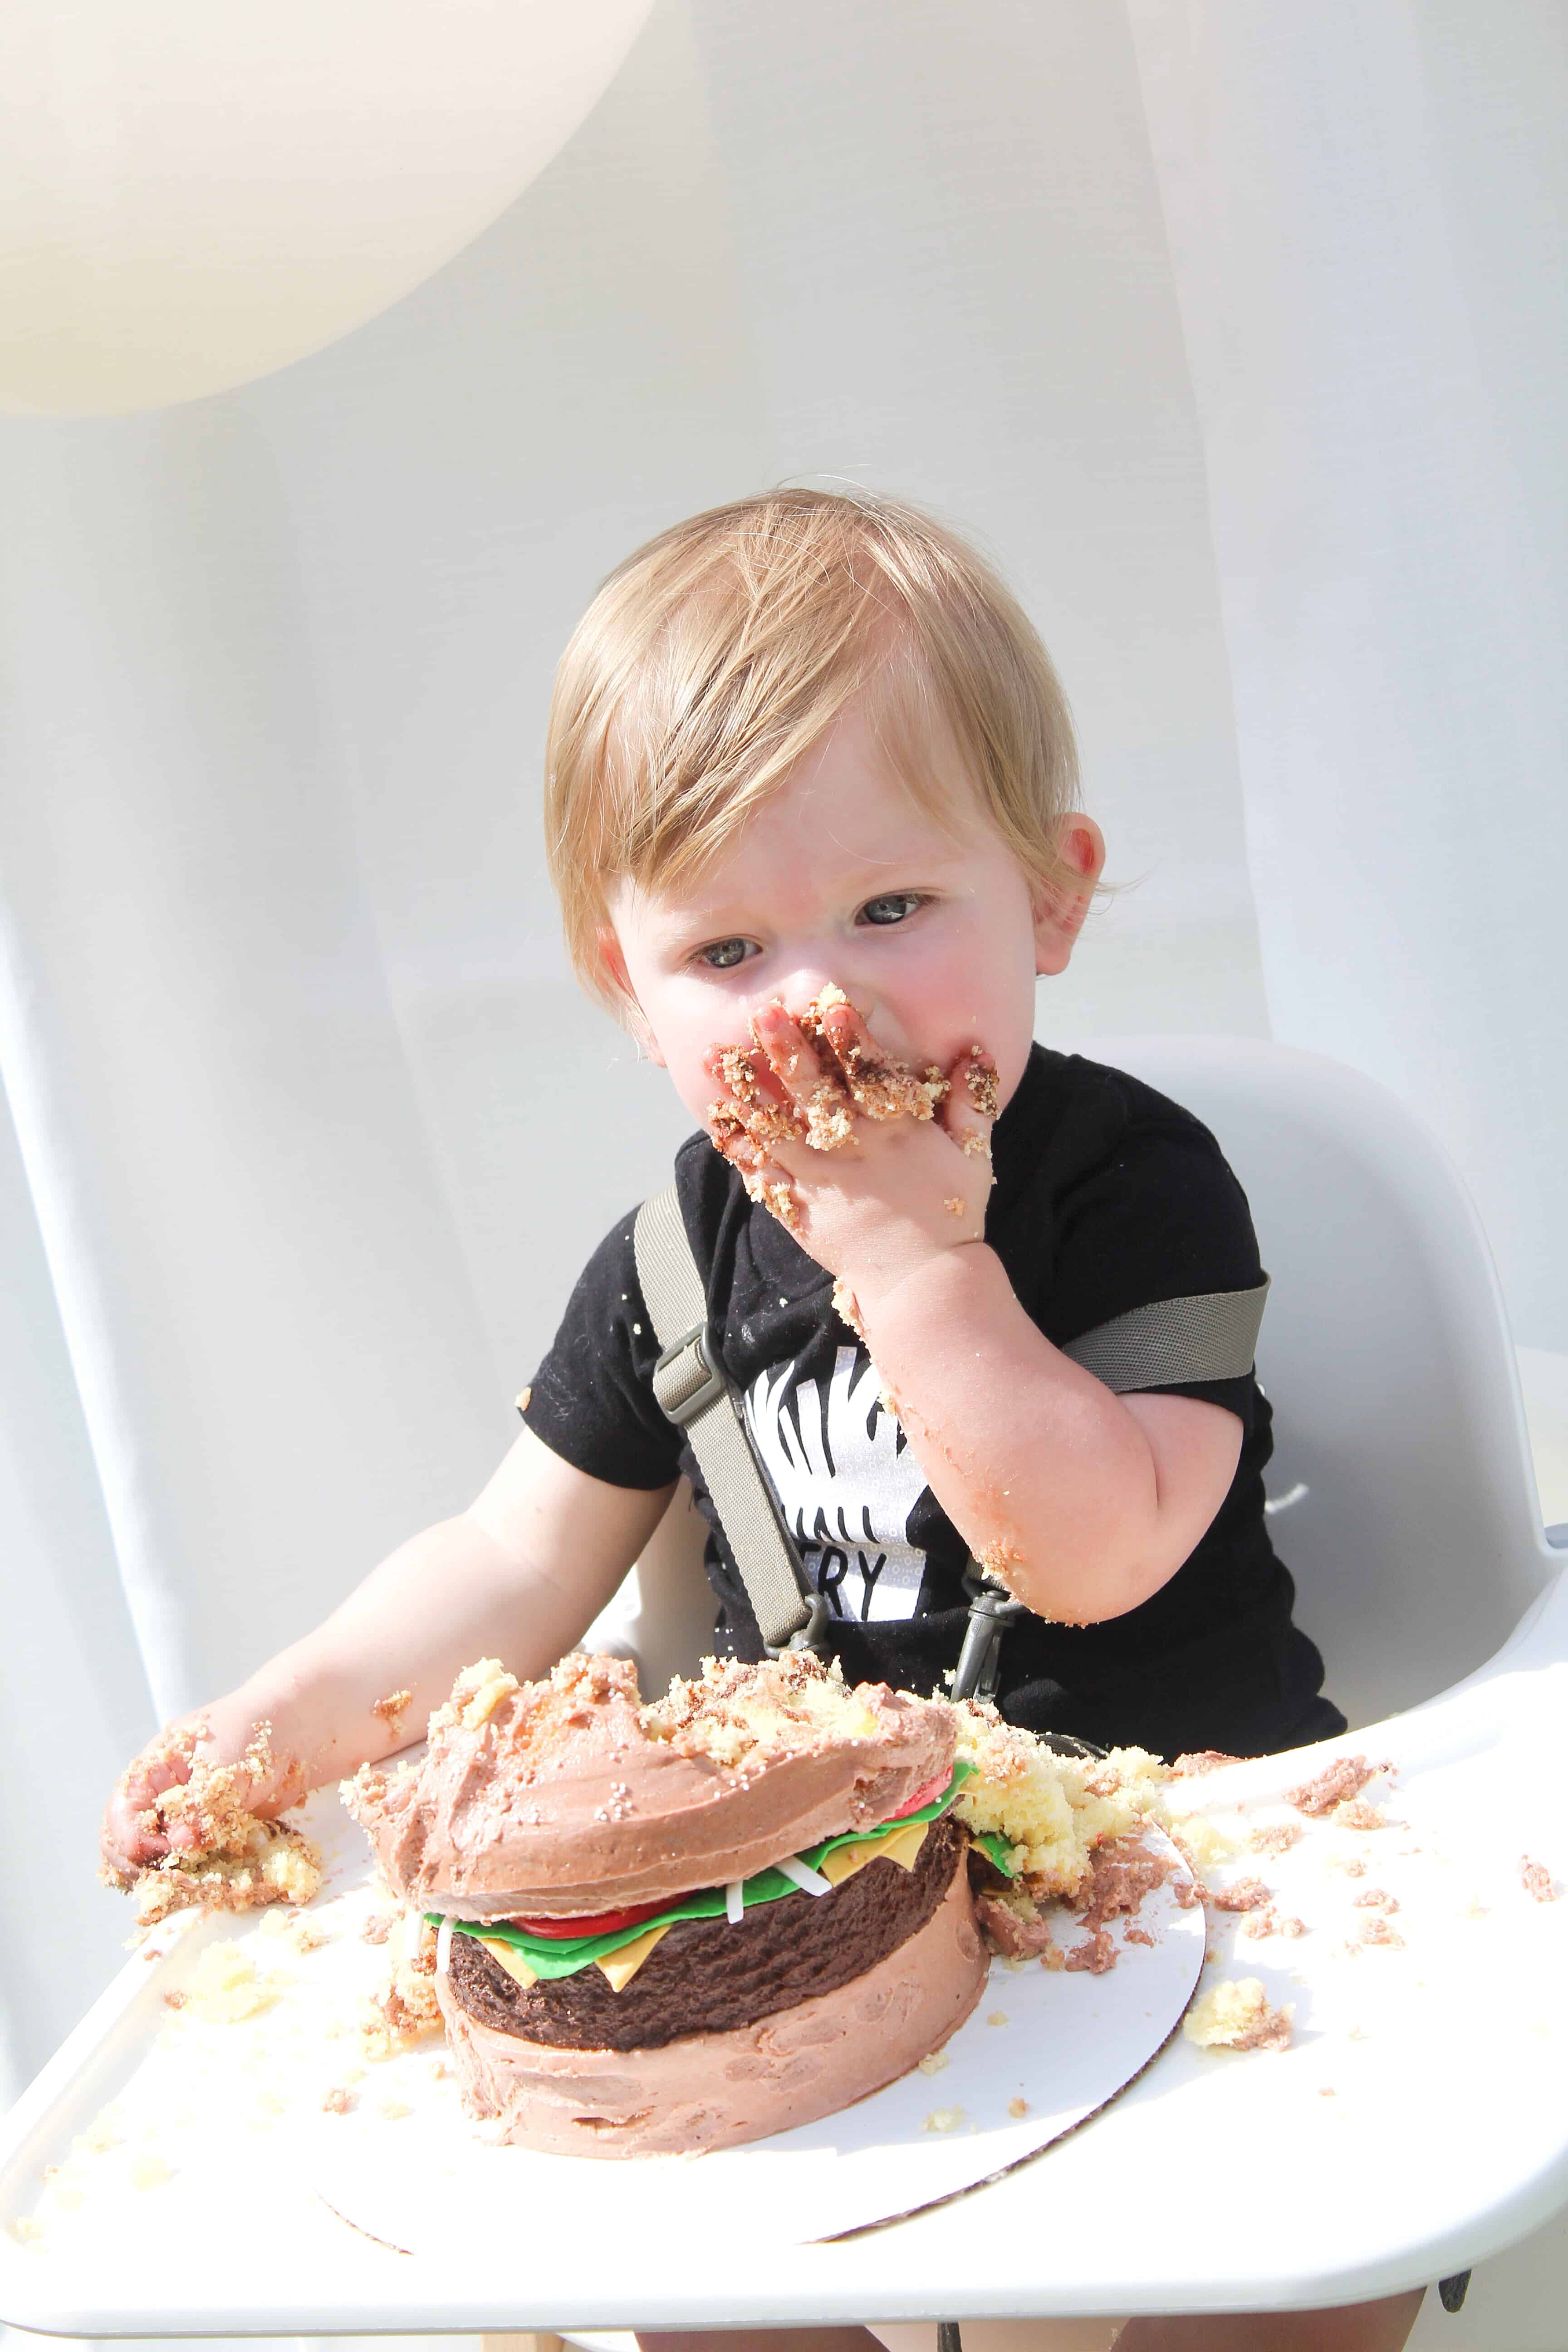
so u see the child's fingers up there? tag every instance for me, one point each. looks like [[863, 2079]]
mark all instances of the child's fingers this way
[[882, 1087], [969, 1110], [751, 1094], [822, 1105], [788, 1054], [765, 1181]]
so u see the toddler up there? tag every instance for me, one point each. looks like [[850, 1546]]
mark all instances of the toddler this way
[[812, 812]]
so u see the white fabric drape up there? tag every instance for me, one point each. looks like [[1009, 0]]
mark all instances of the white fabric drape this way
[[1200, 322], [1366, 202]]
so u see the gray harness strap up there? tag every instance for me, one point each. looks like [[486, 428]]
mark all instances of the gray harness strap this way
[[689, 1384], [1210, 1337]]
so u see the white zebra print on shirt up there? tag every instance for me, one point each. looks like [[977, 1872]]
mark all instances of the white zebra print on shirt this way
[[846, 1479]]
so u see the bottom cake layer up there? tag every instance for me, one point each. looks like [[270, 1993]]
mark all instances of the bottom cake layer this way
[[714, 2090]]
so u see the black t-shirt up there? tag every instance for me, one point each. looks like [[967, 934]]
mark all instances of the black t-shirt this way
[[1107, 1197]]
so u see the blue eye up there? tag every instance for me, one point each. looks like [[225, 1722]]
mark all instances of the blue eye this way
[[894, 908], [724, 954]]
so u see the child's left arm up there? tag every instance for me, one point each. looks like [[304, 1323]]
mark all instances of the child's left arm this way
[[1082, 1501]]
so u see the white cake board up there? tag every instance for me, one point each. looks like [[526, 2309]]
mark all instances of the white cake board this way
[[1068, 2044]]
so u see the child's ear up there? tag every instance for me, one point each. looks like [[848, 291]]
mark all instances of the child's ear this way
[[622, 998], [1061, 903]]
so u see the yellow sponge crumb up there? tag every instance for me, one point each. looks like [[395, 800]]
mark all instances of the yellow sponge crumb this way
[[227, 1987], [1199, 1840], [1052, 1809], [732, 1712], [1235, 2015]]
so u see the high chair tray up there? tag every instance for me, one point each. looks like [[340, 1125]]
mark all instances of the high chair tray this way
[[170, 2175]]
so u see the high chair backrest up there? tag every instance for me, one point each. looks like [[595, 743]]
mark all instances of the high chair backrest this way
[[1414, 1532], [1406, 1503]]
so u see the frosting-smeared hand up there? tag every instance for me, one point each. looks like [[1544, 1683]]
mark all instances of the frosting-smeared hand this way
[[874, 1167]]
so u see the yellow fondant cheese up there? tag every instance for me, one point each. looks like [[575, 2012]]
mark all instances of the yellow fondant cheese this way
[[509, 1958], [901, 1844], [622, 1967]]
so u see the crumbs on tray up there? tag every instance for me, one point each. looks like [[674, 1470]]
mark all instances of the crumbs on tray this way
[[1235, 2014]]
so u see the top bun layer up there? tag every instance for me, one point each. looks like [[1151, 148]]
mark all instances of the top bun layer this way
[[568, 1796]]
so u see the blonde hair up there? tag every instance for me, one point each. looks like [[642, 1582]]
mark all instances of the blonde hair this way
[[714, 658]]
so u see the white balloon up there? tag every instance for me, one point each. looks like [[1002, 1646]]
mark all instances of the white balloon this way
[[195, 192]]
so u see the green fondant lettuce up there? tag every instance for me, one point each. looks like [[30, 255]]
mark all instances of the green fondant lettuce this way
[[559, 1956]]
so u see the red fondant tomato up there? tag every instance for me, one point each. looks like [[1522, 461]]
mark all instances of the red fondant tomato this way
[[589, 1923], [926, 1796]]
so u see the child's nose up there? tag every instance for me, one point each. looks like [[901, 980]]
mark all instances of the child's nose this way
[[799, 991]]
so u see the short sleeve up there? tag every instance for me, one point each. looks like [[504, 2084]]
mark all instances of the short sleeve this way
[[1155, 1266], [591, 1399]]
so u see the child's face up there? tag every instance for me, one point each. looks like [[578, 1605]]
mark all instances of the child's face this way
[[931, 929]]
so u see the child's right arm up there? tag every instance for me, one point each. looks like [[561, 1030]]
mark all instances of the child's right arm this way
[[520, 1575]]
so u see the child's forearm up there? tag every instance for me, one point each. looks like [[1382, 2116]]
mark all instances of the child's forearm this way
[[1045, 1473], [362, 1684]]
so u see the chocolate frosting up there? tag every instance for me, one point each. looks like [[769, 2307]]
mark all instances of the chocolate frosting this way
[[714, 2090], [568, 1797]]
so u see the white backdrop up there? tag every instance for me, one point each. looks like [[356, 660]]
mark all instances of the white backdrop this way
[[1231, 334]]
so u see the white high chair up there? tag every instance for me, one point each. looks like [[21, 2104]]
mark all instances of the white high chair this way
[[1403, 1499], [1419, 2123]]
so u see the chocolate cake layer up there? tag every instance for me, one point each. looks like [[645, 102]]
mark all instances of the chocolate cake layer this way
[[707, 1977]]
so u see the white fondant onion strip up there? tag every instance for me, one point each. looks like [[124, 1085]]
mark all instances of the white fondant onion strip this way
[[803, 1874], [444, 1948], [412, 1934], [734, 1901]]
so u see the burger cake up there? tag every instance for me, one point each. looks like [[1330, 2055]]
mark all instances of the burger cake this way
[[673, 1927], [679, 1925]]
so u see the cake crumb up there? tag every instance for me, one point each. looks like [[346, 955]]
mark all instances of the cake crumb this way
[[393, 2111], [1277, 1837], [376, 1929], [1094, 1956], [1017, 2106], [1246, 1895], [1374, 1898], [393, 1708], [997, 2017], [955, 1207], [1236, 2015], [1052, 1959], [481, 1689], [933, 2062], [847, 1307], [174, 2001], [227, 1987], [338, 2102], [1378, 1929], [1199, 1842], [148, 2170], [1345, 1778], [944, 2119], [525, 1396], [1536, 1880], [25, 2229], [1355, 1813]]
